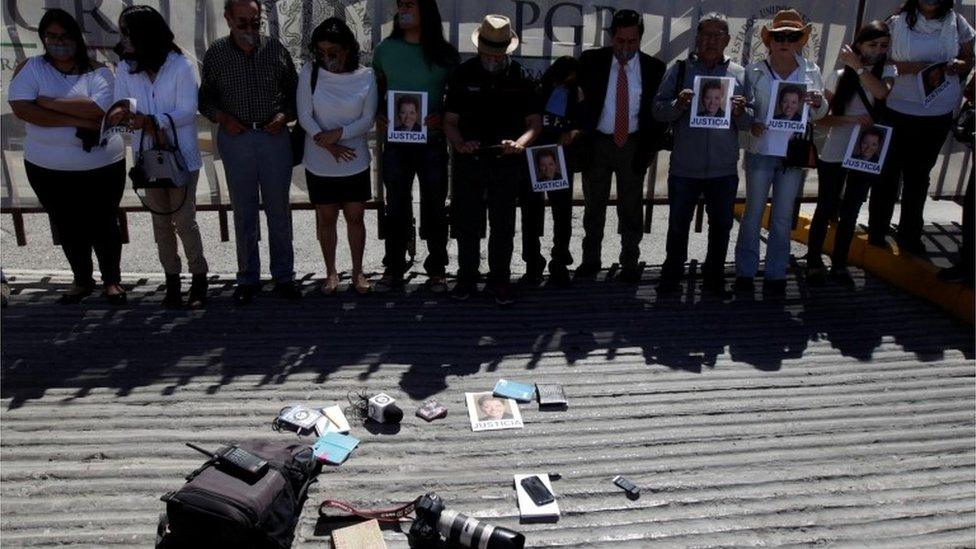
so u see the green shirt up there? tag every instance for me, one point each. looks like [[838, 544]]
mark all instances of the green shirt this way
[[405, 69]]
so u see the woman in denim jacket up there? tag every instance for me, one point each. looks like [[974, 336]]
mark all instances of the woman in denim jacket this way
[[766, 148]]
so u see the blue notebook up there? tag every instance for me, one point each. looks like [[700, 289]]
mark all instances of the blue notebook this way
[[520, 392], [334, 447]]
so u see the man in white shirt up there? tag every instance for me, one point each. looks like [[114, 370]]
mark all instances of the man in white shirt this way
[[619, 84]]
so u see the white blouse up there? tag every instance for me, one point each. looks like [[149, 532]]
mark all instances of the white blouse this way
[[341, 100], [57, 148], [173, 92]]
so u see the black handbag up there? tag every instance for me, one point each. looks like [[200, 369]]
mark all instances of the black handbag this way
[[800, 151], [297, 133]]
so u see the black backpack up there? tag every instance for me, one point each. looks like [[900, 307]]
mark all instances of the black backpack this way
[[217, 509]]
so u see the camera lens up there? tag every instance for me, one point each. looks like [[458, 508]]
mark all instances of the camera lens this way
[[470, 532]]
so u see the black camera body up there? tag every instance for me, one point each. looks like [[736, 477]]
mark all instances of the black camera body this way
[[434, 522]]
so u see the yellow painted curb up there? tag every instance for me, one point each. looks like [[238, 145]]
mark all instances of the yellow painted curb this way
[[912, 274]]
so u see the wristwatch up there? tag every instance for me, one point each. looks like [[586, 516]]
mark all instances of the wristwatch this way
[[861, 71]]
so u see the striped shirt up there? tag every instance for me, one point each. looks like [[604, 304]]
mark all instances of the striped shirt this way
[[251, 88]]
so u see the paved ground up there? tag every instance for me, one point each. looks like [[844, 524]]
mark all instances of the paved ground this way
[[831, 417]]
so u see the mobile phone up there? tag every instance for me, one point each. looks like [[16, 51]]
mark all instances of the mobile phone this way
[[537, 490]]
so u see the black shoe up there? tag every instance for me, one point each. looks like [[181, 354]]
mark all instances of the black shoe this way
[[75, 294], [715, 287], [174, 296], [774, 287], [840, 275], [560, 277], [630, 275], [244, 293], [531, 280], [816, 275], [502, 292], [953, 274], [587, 270], [117, 298], [388, 282], [288, 290], [914, 247], [667, 285], [744, 285], [198, 291], [879, 243], [462, 291]]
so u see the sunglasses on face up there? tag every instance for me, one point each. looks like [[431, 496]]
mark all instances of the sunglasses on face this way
[[791, 37]]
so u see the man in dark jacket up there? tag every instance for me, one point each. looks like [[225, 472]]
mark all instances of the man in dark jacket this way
[[619, 83]]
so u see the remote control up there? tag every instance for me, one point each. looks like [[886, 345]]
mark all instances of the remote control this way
[[628, 486], [236, 459]]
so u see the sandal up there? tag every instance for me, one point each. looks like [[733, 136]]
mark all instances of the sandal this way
[[361, 285], [118, 298], [331, 285]]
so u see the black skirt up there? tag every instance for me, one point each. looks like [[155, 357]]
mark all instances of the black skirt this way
[[339, 190]]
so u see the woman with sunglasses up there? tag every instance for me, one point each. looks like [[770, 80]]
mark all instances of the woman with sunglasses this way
[[923, 32], [153, 71], [865, 67], [62, 95], [337, 106], [766, 149]]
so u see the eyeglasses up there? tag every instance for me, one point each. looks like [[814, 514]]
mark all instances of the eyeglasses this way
[[791, 37], [711, 36], [53, 38]]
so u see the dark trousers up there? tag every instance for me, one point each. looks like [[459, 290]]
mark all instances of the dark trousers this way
[[839, 198], [915, 145], [480, 185], [605, 160], [533, 206], [683, 193], [401, 163], [967, 251], [84, 209]]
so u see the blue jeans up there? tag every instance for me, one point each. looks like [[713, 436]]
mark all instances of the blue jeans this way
[[763, 172], [683, 193], [258, 168]]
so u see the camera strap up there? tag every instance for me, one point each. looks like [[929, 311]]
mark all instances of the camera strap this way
[[393, 514]]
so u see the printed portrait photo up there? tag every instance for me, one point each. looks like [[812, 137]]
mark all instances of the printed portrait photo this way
[[547, 168], [933, 82], [867, 149], [406, 112], [488, 412], [713, 103], [788, 109]]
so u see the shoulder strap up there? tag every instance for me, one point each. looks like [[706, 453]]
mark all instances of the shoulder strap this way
[[771, 71], [315, 74], [680, 80], [172, 126]]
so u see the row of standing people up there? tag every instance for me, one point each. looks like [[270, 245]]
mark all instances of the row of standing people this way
[[609, 109]]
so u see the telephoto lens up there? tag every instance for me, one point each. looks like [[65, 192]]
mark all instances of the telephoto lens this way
[[468, 531]]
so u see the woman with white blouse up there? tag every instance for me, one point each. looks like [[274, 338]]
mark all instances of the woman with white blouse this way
[[923, 32], [153, 71], [62, 96], [336, 107]]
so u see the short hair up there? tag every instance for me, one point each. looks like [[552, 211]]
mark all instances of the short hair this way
[[407, 98], [228, 4], [626, 18], [714, 17], [485, 398], [711, 84], [790, 88], [539, 155], [336, 30], [873, 130]]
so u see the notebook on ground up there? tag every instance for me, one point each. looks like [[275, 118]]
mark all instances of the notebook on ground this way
[[520, 392]]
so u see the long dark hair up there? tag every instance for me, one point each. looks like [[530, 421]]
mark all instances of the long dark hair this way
[[558, 72], [335, 30], [849, 81], [910, 10], [437, 50], [151, 38], [83, 62]]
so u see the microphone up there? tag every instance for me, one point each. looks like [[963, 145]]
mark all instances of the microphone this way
[[382, 408]]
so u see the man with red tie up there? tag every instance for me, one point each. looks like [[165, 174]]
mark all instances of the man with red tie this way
[[619, 83]]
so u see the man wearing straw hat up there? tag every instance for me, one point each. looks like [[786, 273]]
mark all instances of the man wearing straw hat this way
[[619, 83], [490, 118]]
